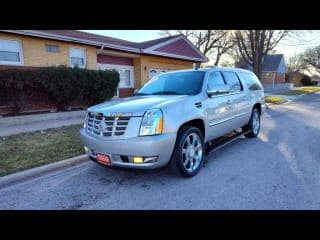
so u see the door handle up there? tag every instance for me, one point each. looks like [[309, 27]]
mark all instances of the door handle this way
[[229, 102]]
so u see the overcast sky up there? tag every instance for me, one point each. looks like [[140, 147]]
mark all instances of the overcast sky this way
[[288, 48]]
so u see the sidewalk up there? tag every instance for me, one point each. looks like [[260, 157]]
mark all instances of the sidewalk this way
[[36, 122]]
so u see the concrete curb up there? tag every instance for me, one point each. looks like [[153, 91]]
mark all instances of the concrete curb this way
[[37, 171]]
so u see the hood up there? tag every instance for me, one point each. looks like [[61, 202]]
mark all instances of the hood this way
[[136, 105]]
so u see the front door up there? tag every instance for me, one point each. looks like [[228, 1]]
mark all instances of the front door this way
[[218, 108], [240, 102]]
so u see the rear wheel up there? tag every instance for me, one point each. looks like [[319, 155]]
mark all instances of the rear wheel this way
[[188, 154], [254, 124]]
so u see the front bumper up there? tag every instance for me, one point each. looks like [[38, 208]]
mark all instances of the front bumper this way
[[160, 146]]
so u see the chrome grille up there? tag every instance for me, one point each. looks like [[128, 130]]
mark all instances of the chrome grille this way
[[106, 126]]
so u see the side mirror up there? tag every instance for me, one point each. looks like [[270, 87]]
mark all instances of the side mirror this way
[[135, 91], [218, 89]]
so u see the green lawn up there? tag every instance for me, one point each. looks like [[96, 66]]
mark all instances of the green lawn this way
[[274, 99], [311, 89], [27, 150], [299, 91]]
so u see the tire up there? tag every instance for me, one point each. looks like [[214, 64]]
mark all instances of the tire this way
[[188, 154], [254, 124]]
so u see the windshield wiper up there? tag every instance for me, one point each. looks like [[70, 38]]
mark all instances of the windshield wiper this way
[[166, 93], [141, 94]]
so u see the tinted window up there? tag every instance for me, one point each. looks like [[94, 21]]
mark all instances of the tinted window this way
[[252, 81], [215, 79], [233, 81], [182, 83]]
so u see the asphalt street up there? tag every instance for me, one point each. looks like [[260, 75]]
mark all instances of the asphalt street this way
[[278, 170]]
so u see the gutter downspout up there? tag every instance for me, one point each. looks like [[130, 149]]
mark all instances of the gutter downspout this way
[[274, 76], [100, 50]]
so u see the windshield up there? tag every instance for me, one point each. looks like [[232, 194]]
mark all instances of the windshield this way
[[177, 83]]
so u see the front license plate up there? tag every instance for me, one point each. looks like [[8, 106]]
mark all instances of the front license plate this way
[[103, 158]]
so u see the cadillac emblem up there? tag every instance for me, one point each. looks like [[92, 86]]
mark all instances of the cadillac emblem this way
[[102, 126]]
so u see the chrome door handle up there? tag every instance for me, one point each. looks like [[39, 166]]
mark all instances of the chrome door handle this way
[[229, 102]]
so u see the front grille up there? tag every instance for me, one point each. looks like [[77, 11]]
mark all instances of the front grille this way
[[106, 126]]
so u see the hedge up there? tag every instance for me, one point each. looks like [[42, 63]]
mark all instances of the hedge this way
[[63, 85], [306, 80]]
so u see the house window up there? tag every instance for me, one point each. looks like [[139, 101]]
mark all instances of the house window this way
[[125, 74], [155, 71], [52, 48], [124, 78], [10, 52], [77, 57]]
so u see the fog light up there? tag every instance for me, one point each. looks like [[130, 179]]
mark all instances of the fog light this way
[[150, 159], [137, 159]]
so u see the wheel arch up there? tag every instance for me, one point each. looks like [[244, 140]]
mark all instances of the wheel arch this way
[[198, 123], [258, 106]]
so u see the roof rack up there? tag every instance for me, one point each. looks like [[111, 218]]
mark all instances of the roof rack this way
[[210, 66]]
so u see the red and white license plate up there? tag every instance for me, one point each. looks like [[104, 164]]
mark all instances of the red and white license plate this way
[[103, 158]]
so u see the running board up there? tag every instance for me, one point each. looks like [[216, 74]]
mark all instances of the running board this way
[[220, 142]]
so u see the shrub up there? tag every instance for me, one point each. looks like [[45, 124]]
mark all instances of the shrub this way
[[97, 89], [17, 87], [63, 85], [306, 80]]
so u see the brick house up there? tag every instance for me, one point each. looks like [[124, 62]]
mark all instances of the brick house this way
[[315, 80], [273, 69], [136, 62], [295, 78]]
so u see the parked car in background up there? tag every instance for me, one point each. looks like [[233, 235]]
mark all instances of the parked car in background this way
[[172, 117]]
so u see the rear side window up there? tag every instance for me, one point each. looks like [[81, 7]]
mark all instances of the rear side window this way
[[233, 81], [215, 79], [252, 81]]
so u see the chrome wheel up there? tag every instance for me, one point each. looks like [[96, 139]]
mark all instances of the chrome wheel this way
[[192, 152], [255, 123]]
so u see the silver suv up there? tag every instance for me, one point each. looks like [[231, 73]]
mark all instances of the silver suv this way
[[172, 118]]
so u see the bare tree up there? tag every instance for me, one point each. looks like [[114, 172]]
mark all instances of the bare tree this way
[[254, 44], [311, 58], [212, 43], [296, 63], [225, 46]]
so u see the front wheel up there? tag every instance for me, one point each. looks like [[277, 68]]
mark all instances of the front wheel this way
[[188, 154], [254, 124]]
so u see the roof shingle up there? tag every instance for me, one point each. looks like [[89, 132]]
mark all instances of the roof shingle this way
[[109, 40], [178, 48], [270, 63], [89, 36]]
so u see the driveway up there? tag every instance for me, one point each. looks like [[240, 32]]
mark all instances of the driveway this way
[[278, 170]]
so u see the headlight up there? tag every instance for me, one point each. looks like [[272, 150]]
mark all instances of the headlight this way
[[152, 123]]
